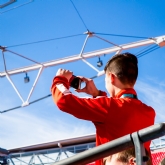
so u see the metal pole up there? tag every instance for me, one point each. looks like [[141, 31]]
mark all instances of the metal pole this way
[[139, 149]]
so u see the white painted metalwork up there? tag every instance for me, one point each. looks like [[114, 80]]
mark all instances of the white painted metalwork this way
[[85, 55], [83, 47], [90, 65], [82, 56], [32, 89], [158, 143], [47, 155]]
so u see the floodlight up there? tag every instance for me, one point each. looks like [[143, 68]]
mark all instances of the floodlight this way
[[99, 63], [26, 79]]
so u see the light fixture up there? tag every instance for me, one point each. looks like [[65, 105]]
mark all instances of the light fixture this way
[[26, 78], [99, 63]]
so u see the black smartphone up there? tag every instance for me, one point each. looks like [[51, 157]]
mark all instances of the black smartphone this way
[[75, 82]]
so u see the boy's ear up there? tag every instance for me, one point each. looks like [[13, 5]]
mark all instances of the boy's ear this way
[[112, 77]]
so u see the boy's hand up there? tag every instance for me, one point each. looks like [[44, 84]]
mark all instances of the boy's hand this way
[[66, 73], [89, 88]]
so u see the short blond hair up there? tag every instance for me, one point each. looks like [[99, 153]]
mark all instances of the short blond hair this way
[[125, 155]]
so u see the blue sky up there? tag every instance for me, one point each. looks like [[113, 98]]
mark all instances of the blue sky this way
[[28, 21]]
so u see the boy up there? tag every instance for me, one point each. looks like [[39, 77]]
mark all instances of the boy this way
[[121, 114]]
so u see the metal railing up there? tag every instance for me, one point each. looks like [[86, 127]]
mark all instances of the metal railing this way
[[135, 139]]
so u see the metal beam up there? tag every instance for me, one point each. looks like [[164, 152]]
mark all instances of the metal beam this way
[[82, 56], [12, 161], [40, 160], [85, 55]]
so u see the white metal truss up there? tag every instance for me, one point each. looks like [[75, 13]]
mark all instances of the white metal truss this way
[[47, 156], [50, 156], [160, 41], [158, 143]]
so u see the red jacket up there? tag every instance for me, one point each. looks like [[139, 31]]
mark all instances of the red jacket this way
[[113, 117]]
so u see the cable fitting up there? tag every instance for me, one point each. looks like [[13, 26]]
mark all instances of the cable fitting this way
[[89, 33], [25, 104], [161, 42], [3, 48]]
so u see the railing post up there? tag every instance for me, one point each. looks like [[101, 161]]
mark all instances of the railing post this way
[[139, 149]]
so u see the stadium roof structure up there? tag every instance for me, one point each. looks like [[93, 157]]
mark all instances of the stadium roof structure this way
[[156, 41], [51, 152], [47, 153], [56, 144]]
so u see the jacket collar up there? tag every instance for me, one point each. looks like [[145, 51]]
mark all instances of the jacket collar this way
[[126, 91]]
